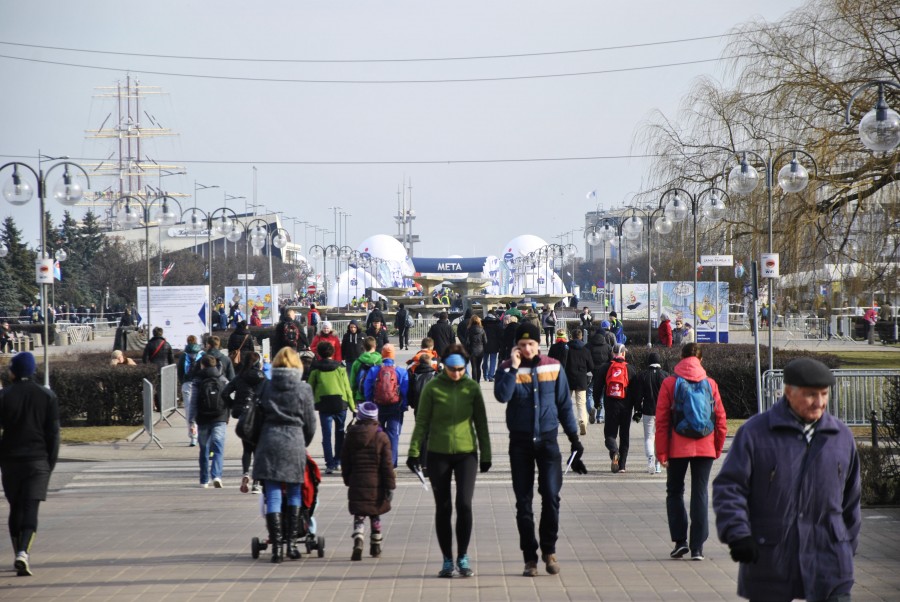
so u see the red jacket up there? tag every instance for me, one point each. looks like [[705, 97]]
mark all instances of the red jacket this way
[[329, 338], [665, 333], [670, 444]]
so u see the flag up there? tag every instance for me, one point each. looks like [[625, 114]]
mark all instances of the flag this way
[[57, 271], [168, 269]]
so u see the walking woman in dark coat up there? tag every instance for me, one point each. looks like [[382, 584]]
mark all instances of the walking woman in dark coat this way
[[240, 339], [289, 423], [246, 387], [367, 467], [476, 340]]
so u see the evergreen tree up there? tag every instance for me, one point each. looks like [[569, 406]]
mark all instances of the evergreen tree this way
[[10, 304], [20, 263]]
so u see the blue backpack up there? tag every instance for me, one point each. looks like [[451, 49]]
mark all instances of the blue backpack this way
[[693, 408]]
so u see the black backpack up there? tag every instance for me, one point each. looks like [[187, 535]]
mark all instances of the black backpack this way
[[417, 383], [289, 332], [210, 402]]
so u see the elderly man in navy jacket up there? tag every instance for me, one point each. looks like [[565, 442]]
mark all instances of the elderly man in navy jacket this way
[[787, 497], [536, 392]]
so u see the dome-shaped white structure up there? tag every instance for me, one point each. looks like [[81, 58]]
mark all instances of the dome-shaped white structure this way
[[537, 276], [397, 267], [521, 245], [383, 246]]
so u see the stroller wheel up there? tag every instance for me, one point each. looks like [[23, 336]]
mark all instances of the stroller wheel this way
[[309, 546], [254, 548], [320, 545]]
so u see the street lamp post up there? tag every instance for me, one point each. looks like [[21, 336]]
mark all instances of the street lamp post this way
[[663, 225], [879, 129], [129, 216], [614, 228], [261, 236], [793, 177], [68, 192], [197, 187]]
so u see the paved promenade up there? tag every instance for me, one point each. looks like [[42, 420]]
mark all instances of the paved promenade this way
[[127, 521]]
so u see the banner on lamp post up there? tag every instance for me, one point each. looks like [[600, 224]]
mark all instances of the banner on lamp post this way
[[43, 271], [769, 265]]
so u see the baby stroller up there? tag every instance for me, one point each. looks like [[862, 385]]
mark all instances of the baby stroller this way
[[306, 531]]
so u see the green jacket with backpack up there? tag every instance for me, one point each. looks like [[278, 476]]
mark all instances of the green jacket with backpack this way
[[362, 363]]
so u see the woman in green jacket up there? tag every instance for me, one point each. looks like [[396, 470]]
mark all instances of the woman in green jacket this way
[[451, 414], [331, 389]]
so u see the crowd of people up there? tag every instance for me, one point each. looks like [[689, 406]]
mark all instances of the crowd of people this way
[[583, 377]]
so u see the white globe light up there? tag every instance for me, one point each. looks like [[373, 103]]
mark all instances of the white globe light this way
[[3, 251], [714, 208], [793, 177], [607, 232], [330, 252], [17, 191], [676, 209], [879, 129], [61, 255], [663, 225], [633, 227], [280, 241], [257, 242], [129, 216], [234, 234], [346, 252], [223, 225], [165, 216], [68, 191], [743, 178], [593, 238], [195, 223], [316, 252]]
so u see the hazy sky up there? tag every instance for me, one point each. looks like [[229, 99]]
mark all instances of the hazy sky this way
[[321, 145]]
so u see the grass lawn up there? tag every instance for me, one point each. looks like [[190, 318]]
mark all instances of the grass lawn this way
[[94, 434], [871, 358]]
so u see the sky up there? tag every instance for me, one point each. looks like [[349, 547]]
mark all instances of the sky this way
[[283, 95]]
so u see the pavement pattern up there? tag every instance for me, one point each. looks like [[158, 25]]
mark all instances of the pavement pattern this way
[[128, 521]]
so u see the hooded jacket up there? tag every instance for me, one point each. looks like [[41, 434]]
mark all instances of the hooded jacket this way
[[537, 398], [664, 331], [289, 424], [476, 341], [442, 334], [327, 338], [798, 500], [452, 416], [367, 467], [670, 444], [29, 421], [601, 351], [578, 364], [493, 328], [186, 361], [380, 336], [331, 389], [245, 388], [650, 382], [201, 375], [158, 351], [352, 344], [360, 369]]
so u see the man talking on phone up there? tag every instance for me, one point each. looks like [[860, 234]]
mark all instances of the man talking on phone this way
[[536, 392]]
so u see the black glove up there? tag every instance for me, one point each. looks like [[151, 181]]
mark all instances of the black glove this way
[[389, 494], [637, 416], [485, 466], [413, 464], [744, 550], [577, 448], [578, 466]]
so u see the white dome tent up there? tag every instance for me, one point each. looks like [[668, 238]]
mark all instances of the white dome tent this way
[[536, 276], [351, 283], [396, 267]]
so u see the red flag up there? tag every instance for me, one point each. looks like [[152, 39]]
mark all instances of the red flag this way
[[167, 270]]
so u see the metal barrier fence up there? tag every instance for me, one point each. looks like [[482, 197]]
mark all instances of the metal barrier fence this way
[[854, 396], [809, 329], [77, 333]]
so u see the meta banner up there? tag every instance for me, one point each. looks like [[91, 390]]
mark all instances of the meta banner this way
[[449, 265]]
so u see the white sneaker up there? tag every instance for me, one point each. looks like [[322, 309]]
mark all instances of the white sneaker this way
[[651, 465], [658, 468], [217, 483], [21, 565], [204, 485]]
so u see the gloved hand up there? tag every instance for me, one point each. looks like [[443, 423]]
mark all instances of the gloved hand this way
[[389, 494], [578, 466], [577, 448], [744, 550], [413, 464], [637, 417], [485, 466]]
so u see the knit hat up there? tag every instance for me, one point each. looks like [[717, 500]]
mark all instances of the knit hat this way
[[367, 410], [562, 334], [653, 358], [326, 325], [527, 330], [23, 365], [604, 324], [388, 352], [801, 372]]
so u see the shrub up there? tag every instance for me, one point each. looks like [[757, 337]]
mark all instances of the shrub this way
[[880, 484]]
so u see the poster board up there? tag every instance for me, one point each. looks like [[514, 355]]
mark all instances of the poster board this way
[[678, 301], [635, 301], [179, 310], [260, 296]]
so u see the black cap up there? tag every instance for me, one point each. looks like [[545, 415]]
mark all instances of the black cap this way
[[528, 330], [807, 372], [653, 358]]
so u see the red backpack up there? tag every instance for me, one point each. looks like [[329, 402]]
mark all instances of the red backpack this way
[[387, 386], [617, 380]]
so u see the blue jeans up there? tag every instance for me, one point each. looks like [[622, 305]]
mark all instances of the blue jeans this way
[[211, 437], [392, 425], [274, 497], [524, 454], [678, 518], [489, 365], [332, 458]]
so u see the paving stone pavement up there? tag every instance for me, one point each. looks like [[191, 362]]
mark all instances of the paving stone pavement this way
[[127, 521]]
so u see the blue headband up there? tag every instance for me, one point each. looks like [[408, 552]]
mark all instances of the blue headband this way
[[455, 360]]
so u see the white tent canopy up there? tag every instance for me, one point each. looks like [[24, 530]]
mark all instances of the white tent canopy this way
[[351, 283]]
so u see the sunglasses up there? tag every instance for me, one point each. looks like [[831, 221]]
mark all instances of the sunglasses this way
[[460, 369]]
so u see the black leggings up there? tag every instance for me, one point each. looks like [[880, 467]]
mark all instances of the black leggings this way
[[476, 367], [247, 456], [464, 467], [23, 522]]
